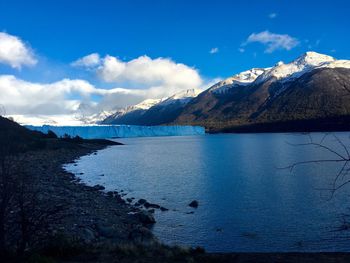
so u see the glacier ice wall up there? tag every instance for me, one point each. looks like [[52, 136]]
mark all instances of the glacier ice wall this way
[[119, 131]]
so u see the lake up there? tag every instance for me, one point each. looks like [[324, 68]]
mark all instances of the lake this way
[[246, 201]]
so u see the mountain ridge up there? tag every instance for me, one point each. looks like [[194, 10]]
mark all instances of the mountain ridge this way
[[312, 87]]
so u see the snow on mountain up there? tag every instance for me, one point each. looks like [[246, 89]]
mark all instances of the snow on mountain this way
[[68, 119], [183, 97], [243, 78], [45, 119], [97, 117], [305, 63], [281, 71], [143, 105]]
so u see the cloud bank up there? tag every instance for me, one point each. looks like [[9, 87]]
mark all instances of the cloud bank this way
[[126, 83], [14, 52]]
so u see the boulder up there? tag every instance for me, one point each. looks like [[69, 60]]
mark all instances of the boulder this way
[[142, 201], [194, 204], [150, 205]]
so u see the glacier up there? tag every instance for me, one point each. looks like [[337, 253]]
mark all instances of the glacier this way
[[119, 131]]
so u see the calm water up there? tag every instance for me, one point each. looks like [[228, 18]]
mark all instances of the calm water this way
[[246, 203]]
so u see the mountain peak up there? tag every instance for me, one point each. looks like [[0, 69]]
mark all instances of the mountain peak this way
[[281, 71], [306, 62], [243, 78], [182, 96], [312, 58]]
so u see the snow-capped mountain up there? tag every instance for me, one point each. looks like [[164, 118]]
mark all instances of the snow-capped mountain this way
[[281, 71], [142, 106], [153, 111], [305, 63], [313, 91], [243, 78], [182, 97]]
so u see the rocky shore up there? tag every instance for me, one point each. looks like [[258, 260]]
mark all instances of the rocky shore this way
[[102, 227], [85, 214]]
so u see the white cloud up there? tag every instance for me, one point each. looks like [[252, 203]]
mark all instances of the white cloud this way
[[273, 41], [214, 50], [273, 15], [135, 80], [88, 61], [23, 98], [242, 50], [14, 52], [162, 74]]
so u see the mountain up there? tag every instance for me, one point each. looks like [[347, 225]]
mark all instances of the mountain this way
[[310, 93], [153, 111]]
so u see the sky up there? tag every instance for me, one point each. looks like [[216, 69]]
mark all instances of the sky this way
[[55, 55]]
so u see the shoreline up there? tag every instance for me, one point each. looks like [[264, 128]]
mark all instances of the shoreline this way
[[88, 215], [109, 229]]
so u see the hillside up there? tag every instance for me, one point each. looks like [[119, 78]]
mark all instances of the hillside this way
[[304, 95]]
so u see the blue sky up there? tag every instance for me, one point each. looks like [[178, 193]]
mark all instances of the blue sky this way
[[183, 30], [215, 38]]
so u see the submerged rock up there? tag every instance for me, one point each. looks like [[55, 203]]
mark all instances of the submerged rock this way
[[194, 204]]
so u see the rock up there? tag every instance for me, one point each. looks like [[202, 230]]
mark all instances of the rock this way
[[142, 201], [129, 200], [146, 218], [150, 205], [163, 209], [101, 175], [151, 211], [194, 204], [110, 194]]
